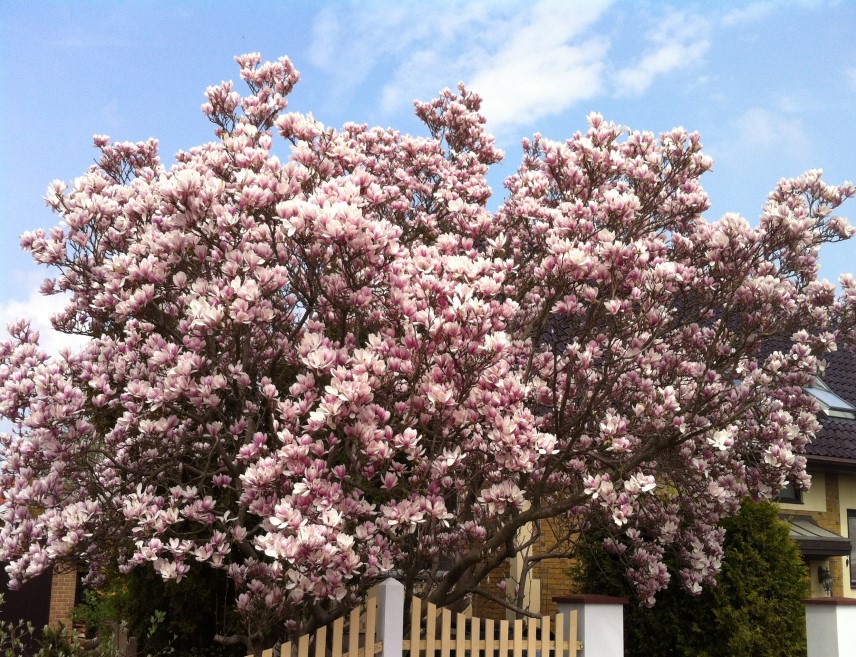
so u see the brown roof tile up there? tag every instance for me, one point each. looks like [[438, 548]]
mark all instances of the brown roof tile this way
[[837, 438]]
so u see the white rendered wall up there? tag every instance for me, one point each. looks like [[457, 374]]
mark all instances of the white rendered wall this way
[[600, 624], [831, 627], [814, 499]]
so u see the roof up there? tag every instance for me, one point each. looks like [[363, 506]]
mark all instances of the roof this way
[[815, 541], [840, 374], [837, 437]]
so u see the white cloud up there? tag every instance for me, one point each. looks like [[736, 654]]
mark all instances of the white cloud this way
[[526, 61], [112, 112], [38, 309], [410, 74], [679, 41], [324, 38], [760, 127], [349, 41], [751, 13], [764, 134], [543, 68]]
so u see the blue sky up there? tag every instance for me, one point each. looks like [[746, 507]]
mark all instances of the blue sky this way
[[770, 85]]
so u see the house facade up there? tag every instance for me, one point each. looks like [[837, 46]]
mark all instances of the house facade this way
[[46, 600], [823, 519]]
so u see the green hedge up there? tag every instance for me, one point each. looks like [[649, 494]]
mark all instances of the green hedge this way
[[755, 610], [168, 618]]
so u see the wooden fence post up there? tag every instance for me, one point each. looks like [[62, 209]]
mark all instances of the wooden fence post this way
[[390, 598]]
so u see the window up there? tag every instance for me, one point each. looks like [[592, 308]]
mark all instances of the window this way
[[790, 494], [831, 404], [851, 533]]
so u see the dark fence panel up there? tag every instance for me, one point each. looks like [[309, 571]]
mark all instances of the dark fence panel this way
[[31, 603]]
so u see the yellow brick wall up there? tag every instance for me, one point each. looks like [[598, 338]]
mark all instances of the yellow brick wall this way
[[829, 519], [824, 507], [552, 573], [484, 608], [847, 502]]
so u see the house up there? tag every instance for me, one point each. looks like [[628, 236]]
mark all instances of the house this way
[[823, 519], [45, 600]]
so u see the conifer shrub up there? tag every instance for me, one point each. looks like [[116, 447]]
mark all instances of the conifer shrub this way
[[755, 610]]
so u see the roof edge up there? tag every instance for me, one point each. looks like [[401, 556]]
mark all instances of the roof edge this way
[[836, 463]]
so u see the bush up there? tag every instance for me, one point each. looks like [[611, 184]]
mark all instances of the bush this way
[[755, 610], [15, 637], [59, 642], [181, 616], [168, 618], [20, 639]]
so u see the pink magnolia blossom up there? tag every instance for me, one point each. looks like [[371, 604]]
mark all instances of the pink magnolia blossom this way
[[316, 357]]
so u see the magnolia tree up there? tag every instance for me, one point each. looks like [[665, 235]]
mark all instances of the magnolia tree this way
[[317, 371]]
